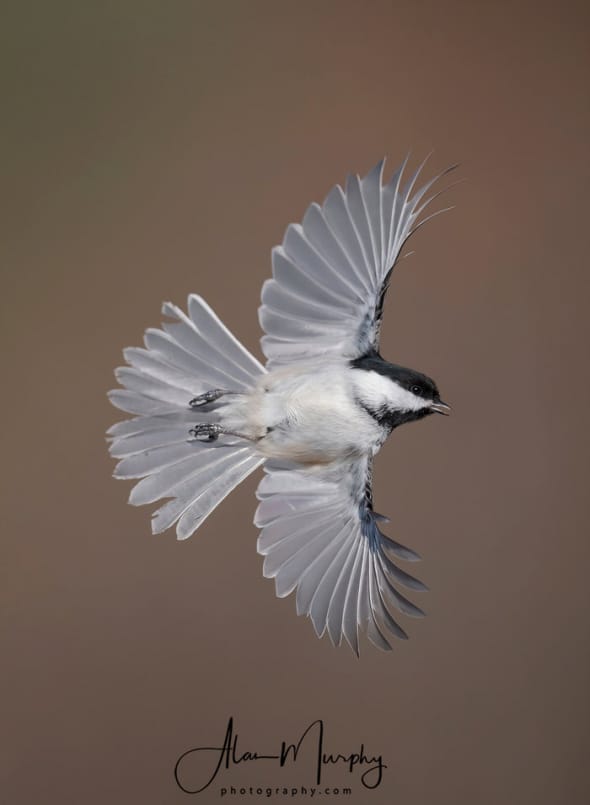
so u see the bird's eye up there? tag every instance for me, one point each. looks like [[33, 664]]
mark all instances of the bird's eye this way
[[417, 391]]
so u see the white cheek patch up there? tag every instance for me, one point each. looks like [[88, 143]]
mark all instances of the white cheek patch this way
[[376, 390]]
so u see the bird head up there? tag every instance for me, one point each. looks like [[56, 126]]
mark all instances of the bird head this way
[[394, 394]]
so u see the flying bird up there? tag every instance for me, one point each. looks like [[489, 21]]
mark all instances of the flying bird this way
[[207, 413]]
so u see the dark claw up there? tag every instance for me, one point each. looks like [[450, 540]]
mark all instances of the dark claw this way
[[205, 433], [206, 397]]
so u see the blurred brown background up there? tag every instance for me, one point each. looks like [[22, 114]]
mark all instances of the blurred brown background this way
[[152, 149]]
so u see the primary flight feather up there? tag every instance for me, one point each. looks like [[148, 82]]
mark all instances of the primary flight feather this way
[[207, 413]]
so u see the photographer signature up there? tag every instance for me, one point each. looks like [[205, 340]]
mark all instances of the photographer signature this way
[[228, 754]]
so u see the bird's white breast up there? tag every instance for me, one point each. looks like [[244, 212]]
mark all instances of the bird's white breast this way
[[309, 414]]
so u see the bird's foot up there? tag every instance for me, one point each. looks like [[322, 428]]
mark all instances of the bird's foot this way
[[207, 397], [206, 432]]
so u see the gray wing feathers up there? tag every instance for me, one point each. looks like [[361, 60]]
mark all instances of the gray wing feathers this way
[[358, 213], [189, 355], [330, 273], [341, 224], [320, 537]]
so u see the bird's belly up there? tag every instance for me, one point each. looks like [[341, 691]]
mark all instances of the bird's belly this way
[[314, 424], [292, 444]]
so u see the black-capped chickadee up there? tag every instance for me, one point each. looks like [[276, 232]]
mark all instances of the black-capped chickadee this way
[[207, 413]]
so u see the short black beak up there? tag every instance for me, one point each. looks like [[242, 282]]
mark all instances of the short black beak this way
[[440, 407]]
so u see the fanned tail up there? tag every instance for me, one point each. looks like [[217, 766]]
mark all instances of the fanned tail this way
[[187, 357]]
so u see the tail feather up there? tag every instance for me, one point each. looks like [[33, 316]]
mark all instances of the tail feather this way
[[153, 366], [148, 386], [170, 481], [148, 440], [206, 321], [129, 427], [195, 343], [174, 354], [151, 461], [199, 494], [134, 403], [219, 489], [205, 334], [193, 354]]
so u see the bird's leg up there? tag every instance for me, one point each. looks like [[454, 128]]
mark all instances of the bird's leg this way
[[209, 397], [211, 432]]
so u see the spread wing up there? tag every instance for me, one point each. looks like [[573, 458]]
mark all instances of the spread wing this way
[[320, 536], [331, 273]]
